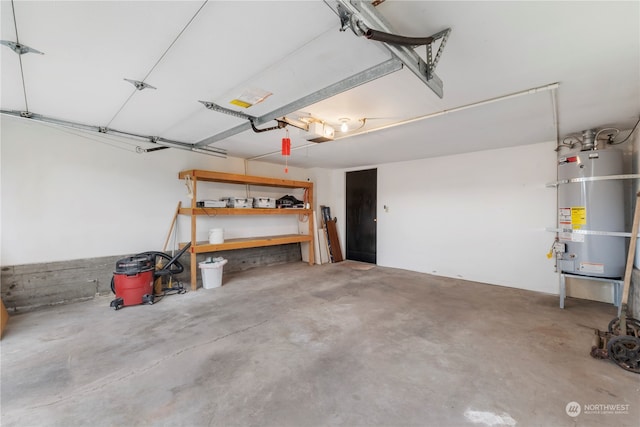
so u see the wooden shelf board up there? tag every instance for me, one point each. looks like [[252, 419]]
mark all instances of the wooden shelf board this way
[[242, 211], [248, 242], [198, 175], [230, 178]]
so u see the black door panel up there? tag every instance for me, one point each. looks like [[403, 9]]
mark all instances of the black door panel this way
[[361, 195]]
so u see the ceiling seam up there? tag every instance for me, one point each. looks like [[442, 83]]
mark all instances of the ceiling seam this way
[[281, 59], [176, 39], [258, 74], [159, 59], [24, 86], [121, 107]]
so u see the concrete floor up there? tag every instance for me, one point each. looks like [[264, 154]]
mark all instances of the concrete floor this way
[[293, 345]]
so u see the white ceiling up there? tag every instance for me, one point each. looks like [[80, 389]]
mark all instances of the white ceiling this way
[[294, 48]]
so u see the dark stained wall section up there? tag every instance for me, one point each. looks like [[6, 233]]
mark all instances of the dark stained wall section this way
[[32, 286]]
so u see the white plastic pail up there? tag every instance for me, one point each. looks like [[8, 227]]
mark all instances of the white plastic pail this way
[[216, 235], [212, 273]]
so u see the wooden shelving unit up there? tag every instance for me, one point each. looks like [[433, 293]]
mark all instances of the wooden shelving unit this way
[[197, 175]]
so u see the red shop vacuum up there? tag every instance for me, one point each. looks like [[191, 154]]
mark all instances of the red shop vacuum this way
[[134, 277]]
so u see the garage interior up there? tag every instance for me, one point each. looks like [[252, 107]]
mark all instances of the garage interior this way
[[461, 120]]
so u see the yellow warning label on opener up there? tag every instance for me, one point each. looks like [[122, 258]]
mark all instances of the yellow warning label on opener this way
[[578, 216], [240, 103]]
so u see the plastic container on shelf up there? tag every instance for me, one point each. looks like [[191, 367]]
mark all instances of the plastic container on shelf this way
[[216, 236]]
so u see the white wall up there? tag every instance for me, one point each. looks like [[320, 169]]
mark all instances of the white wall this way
[[325, 192], [69, 195], [478, 216]]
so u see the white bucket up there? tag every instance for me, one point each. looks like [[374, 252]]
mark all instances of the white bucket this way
[[216, 235], [212, 273]]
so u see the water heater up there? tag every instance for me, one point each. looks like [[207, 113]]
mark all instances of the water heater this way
[[590, 211]]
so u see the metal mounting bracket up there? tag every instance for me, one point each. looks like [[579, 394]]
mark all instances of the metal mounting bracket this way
[[140, 85], [361, 16], [20, 49]]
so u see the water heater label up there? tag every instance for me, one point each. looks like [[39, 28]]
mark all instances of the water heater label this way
[[572, 218], [578, 216], [591, 267], [570, 237], [564, 221]]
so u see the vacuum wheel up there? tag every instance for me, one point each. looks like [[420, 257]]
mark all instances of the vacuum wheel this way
[[624, 350], [633, 327], [117, 303], [148, 299]]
